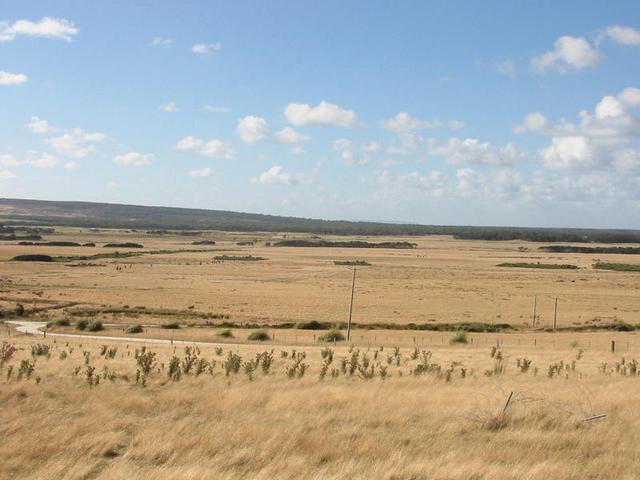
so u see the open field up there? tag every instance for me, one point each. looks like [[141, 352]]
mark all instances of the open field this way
[[440, 281], [85, 415]]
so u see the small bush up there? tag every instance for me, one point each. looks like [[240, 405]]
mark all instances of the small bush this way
[[95, 326], [60, 322], [259, 335], [82, 324], [331, 336], [134, 329], [226, 333], [170, 326], [460, 337]]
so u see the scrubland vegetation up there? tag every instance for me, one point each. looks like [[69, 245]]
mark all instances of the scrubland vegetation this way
[[100, 410]]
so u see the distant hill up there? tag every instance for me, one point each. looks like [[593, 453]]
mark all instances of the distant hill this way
[[106, 215]]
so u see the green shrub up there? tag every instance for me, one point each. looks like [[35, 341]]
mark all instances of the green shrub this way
[[460, 337], [82, 324], [226, 333], [95, 326], [170, 326], [331, 336], [134, 329], [259, 335], [60, 322]]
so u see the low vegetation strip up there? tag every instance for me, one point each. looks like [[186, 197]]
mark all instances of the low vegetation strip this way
[[353, 263], [32, 258], [346, 244], [238, 258], [137, 311], [124, 245], [618, 267], [576, 249], [549, 266]]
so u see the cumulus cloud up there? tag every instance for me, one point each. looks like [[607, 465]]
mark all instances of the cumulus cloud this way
[[277, 176], [622, 35], [202, 173], [7, 78], [134, 159], [206, 48], [532, 122], [47, 27], [33, 158], [324, 114], [353, 154], [471, 151], [597, 140], [37, 125], [570, 53], [76, 143], [252, 129], [403, 122], [215, 148], [169, 107]]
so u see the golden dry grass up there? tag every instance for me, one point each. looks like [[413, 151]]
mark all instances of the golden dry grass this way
[[403, 427], [443, 280]]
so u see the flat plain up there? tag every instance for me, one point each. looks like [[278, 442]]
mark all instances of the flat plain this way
[[395, 403]]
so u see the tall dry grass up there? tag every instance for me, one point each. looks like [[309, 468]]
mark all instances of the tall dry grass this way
[[403, 427]]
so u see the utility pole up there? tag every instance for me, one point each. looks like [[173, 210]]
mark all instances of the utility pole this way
[[353, 286], [555, 314], [535, 305]]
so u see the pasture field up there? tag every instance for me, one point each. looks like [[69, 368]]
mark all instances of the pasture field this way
[[440, 281]]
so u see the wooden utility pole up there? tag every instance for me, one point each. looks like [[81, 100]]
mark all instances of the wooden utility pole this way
[[353, 286], [555, 314], [535, 305]]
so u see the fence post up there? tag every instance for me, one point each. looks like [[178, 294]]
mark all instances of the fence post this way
[[613, 346]]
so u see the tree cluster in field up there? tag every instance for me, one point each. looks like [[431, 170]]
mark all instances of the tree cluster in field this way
[[580, 249], [343, 244]]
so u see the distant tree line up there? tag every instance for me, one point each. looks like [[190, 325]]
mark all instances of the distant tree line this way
[[580, 249]]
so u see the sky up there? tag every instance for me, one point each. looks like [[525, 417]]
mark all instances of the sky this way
[[433, 112]]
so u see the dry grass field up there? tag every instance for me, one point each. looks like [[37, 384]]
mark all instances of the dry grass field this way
[[392, 404], [440, 281], [82, 415]]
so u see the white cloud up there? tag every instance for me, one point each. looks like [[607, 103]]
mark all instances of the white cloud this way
[[214, 109], [33, 159], [76, 143], [623, 35], [206, 48], [568, 152], [277, 176], [189, 143], [455, 124], [471, 151], [214, 148], [356, 155], [532, 122], [202, 173], [324, 114], [7, 78], [168, 107], [599, 140], [47, 27], [506, 67], [162, 42], [570, 53], [403, 122], [134, 159], [291, 137], [37, 125], [252, 129]]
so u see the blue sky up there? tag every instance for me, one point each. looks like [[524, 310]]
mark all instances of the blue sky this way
[[483, 113]]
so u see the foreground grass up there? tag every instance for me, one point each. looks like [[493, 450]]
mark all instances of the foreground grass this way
[[218, 426]]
